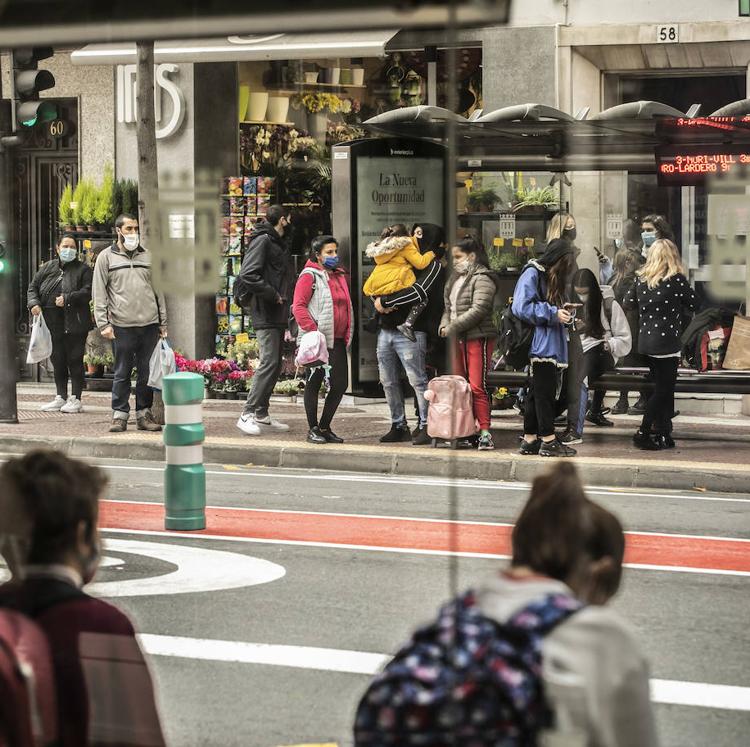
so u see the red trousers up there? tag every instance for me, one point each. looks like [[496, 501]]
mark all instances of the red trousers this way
[[471, 359]]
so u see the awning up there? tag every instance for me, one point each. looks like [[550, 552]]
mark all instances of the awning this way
[[246, 48]]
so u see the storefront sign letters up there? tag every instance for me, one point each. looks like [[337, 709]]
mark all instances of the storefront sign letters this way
[[163, 85]]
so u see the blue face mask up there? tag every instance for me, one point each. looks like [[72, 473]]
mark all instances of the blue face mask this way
[[648, 238], [67, 254], [331, 263]]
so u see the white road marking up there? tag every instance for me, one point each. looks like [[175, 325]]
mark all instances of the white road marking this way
[[198, 570], [405, 550], [436, 482], [673, 692]]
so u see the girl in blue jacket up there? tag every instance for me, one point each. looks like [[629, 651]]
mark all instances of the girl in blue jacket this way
[[539, 300]]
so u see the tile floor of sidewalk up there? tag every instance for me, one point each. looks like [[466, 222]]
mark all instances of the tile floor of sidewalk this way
[[706, 439]]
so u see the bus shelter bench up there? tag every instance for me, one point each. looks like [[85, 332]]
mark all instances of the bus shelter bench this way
[[689, 381]]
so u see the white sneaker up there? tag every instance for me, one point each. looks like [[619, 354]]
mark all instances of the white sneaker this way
[[270, 424], [248, 426], [73, 405], [53, 406]]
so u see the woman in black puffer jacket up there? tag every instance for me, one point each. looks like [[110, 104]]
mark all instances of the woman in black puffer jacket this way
[[61, 289]]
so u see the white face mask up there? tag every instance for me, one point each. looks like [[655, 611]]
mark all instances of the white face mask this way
[[462, 266], [584, 297], [131, 241]]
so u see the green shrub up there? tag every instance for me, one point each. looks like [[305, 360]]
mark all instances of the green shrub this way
[[64, 209], [104, 212]]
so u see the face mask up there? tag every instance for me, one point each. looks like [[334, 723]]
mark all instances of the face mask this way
[[131, 241], [331, 263], [67, 254], [570, 234], [619, 243], [584, 297], [648, 238], [462, 266]]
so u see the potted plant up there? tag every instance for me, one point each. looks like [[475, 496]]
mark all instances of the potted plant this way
[[88, 207], [502, 399], [130, 197], [65, 210], [481, 200], [538, 200], [79, 194], [103, 211], [288, 388], [108, 361], [94, 364]]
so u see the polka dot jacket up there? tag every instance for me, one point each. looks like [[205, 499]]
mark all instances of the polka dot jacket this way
[[663, 313]]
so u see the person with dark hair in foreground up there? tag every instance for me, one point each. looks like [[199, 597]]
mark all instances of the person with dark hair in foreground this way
[[104, 689], [534, 656]]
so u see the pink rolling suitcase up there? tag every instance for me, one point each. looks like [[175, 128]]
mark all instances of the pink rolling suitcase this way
[[450, 415]]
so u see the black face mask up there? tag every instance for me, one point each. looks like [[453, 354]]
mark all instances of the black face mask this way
[[570, 234]]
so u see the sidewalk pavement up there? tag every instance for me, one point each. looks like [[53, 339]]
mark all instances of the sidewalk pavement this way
[[712, 453]]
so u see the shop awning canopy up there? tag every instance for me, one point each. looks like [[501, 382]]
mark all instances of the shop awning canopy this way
[[537, 137], [248, 48]]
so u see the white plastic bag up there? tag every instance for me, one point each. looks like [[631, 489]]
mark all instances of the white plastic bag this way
[[162, 364], [40, 345], [312, 350]]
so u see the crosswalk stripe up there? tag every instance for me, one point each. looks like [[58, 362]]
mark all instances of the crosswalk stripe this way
[[672, 692]]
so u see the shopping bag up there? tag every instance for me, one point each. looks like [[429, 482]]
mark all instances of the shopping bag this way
[[40, 345], [162, 364], [738, 348]]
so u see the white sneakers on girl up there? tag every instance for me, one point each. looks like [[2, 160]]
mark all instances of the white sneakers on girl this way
[[73, 405], [56, 404]]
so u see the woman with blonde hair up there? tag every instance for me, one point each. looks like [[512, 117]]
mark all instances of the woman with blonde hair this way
[[665, 301]]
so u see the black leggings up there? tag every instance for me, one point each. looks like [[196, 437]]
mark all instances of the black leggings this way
[[339, 381], [596, 362], [67, 359], [660, 404], [539, 410]]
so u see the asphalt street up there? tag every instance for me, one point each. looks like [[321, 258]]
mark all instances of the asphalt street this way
[[265, 629]]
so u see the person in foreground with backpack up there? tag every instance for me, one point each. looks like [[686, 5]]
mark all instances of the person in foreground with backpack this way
[[322, 304], [532, 657], [539, 301], [264, 286], [664, 299], [92, 643], [469, 299], [605, 338]]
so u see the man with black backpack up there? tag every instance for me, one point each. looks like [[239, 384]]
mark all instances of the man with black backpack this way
[[264, 287]]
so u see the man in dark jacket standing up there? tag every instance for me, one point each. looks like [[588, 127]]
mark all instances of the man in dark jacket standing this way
[[267, 282]]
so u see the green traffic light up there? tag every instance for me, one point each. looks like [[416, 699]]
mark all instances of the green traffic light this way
[[2, 265]]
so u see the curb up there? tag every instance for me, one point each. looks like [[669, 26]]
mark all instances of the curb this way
[[500, 466]]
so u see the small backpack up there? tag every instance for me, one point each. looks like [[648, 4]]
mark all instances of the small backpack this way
[[312, 350], [28, 707], [450, 415], [514, 337], [465, 680]]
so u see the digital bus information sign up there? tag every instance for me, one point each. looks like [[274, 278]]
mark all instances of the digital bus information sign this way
[[689, 165]]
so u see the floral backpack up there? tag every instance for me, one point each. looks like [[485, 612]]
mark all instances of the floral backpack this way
[[465, 680]]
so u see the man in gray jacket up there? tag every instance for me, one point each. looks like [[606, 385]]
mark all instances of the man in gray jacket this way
[[131, 313]]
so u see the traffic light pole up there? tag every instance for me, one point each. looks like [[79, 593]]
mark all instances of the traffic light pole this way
[[8, 348]]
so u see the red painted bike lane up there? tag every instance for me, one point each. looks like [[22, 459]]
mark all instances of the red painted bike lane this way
[[395, 533]]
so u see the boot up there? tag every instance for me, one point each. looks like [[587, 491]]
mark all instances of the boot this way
[[645, 441], [146, 423]]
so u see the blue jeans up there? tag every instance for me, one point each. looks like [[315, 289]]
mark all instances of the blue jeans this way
[[133, 347], [393, 348]]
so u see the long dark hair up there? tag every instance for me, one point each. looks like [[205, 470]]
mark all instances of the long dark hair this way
[[663, 229], [469, 245], [624, 266], [592, 309], [558, 278], [560, 526]]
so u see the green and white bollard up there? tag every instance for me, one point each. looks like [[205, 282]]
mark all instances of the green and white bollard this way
[[184, 434]]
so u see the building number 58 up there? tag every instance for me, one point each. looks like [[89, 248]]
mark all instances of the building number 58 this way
[[667, 34]]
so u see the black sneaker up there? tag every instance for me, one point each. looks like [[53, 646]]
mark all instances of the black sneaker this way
[[645, 441], [314, 436], [664, 441], [407, 331], [529, 449], [395, 434], [638, 408], [620, 407], [597, 418], [570, 437], [421, 439], [555, 448], [415, 431], [330, 436]]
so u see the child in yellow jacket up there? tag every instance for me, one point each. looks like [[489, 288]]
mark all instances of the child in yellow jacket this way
[[395, 255]]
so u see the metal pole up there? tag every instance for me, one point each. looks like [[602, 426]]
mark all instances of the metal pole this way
[[184, 434], [8, 349]]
